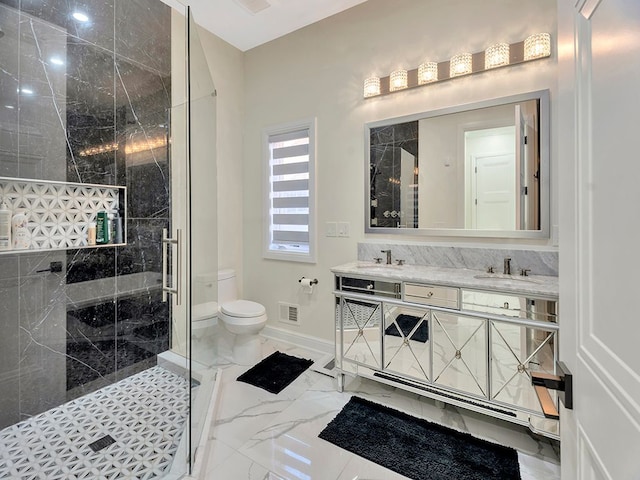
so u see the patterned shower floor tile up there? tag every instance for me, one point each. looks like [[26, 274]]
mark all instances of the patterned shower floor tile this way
[[144, 414]]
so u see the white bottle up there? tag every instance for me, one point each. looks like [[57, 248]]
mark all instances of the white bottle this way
[[20, 232], [5, 227]]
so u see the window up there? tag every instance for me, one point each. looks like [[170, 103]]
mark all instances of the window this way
[[290, 192]]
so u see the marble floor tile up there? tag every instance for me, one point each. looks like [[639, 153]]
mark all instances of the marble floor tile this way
[[259, 435]]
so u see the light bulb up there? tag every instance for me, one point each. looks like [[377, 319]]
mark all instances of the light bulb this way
[[397, 80], [427, 72], [460, 65], [496, 55], [537, 45], [371, 87]]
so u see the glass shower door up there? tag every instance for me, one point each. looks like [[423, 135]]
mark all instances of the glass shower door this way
[[203, 245]]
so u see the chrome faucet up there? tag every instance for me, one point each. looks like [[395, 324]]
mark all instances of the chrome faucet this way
[[507, 266], [388, 252]]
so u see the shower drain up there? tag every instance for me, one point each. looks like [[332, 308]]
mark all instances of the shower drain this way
[[101, 443]]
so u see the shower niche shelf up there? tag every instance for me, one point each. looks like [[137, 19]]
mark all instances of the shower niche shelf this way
[[58, 213]]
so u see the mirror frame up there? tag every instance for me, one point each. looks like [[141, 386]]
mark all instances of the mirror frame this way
[[545, 179]]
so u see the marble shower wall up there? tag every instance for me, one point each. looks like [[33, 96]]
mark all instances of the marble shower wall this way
[[65, 87], [538, 261], [388, 207]]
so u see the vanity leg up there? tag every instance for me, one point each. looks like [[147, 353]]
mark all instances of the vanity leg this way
[[340, 378]]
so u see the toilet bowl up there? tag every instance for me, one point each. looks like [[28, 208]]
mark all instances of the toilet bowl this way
[[204, 318], [245, 319]]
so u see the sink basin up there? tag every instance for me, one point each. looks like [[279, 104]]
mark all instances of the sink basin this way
[[498, 277]]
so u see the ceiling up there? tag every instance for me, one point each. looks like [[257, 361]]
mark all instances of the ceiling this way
[[234, 22]]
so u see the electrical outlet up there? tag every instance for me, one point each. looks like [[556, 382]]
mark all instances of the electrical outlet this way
[[343, 229], [331, 229]]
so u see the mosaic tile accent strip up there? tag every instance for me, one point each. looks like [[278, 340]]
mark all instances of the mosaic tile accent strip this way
[[145, 414], [58, 214]]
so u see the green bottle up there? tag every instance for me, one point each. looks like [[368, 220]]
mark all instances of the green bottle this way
[[102, 228]]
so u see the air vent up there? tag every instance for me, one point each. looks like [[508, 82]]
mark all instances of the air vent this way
[[254, 6], [289, 313]]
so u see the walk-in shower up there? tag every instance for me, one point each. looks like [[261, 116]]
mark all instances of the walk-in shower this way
[[107, 112]]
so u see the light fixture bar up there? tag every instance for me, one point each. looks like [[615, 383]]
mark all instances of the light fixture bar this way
[[516, 56]]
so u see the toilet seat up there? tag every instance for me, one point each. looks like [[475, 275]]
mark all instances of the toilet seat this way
[[242, 309]]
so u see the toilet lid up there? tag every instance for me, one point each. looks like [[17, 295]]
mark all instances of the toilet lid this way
[[203, 311], [242, 308]]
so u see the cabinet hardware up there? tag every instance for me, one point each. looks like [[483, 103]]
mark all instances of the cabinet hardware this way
[[563, 383]]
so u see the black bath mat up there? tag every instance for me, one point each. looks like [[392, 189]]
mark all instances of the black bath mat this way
[[416, 448], [406, 323], [275, 372]]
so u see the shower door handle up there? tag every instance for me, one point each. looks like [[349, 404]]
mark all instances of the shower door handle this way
[[175, 289]]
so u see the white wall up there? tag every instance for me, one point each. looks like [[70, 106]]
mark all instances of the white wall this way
[[227, 70], [319, 70]]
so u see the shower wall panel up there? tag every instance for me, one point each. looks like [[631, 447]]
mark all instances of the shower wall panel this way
[[65, 87]]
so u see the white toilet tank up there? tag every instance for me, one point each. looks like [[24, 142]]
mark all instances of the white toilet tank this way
[[227, 287]]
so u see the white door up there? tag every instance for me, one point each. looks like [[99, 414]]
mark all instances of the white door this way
[[495, 192], [408, 189], [598, 106], [521, 167]]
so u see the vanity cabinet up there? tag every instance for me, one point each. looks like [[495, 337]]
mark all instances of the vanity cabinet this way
[[470, 347]]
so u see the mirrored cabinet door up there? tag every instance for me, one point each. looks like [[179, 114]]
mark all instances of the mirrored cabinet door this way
[[516, 351], [459, 345], [361, 323], [407, 349]]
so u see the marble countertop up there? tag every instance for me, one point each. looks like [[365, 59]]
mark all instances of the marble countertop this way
[[536, 285]]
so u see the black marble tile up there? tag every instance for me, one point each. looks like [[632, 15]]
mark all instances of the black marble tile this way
[[41, 101], [90, 264], [143, 321], [9, 108], [90, 114], [97, 29], [9, 313], [42, 334], [15, 4], [143, 33], [148, 190], [9, 401], [143, 252]]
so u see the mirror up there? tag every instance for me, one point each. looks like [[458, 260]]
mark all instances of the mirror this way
[[472, 170]]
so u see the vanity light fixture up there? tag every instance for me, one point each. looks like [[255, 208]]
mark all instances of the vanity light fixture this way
[[496, 56], [398, 80], [536, 46], [145, 145], [109, 147], [460, 64], [427, 72], [371, 87]]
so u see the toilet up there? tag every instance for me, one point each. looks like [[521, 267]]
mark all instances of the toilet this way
[[243, 318]]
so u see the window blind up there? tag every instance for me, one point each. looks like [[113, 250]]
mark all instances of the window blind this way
[[289, 196]]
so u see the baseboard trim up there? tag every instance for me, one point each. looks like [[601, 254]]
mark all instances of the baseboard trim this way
[[299, 339]]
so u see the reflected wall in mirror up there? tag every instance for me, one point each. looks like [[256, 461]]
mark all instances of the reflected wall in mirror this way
[[472, 170]]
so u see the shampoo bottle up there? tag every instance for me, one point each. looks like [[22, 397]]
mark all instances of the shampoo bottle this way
[[5, 227], [102, 228], [20, 231]]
